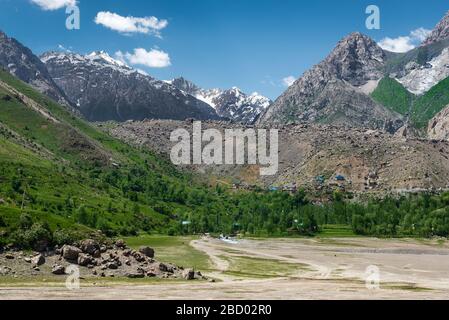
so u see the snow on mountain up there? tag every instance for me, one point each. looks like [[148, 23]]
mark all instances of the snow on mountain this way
[[232, 103], [334, 90], [22, 63], [107, 89], [420, 79]]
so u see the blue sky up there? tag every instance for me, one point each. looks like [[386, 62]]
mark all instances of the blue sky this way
[[252, 44]]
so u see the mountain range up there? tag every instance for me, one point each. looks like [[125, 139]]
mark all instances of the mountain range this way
[[362, 85], [232, 104], [107, 89], [358, 84], [21, 62]]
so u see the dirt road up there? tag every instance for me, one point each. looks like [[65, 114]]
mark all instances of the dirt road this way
[[313, 269]]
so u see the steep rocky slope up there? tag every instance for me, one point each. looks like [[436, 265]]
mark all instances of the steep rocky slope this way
[[440, 32], [336, 90], [106, 89], [438, 128], [313, 156], [21, 62], [232, 104]]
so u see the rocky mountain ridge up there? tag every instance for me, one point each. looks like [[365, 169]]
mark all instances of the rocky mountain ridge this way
[[21, 62], [314, 156], [104, 89], [232, 104], [337, 90]]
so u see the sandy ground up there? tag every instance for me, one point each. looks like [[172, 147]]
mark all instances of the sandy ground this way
[[336, 269]]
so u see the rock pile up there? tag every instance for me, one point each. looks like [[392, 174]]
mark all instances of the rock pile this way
[[97, 260]]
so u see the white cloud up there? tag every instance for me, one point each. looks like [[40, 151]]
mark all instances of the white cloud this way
[[50, 5], [420, 34], [62, 48], [154, 58], [146, 25], [288, 81], [405, 43]]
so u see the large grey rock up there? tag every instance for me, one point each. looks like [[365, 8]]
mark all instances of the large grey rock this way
[[89, 246], [147, 251], [58, 269], [71, 253], [38, 260], [84, 260], [189, 274]]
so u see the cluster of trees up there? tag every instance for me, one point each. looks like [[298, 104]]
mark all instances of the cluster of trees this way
[[140, 199], [281, 214]]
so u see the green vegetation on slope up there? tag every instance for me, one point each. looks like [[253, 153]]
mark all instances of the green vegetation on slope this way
[[393, 95], [428, 105], [66, 176], [62, 180]]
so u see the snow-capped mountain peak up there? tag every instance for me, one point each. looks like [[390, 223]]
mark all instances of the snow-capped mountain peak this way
[[102, 55], [106, 89], [233, 103]]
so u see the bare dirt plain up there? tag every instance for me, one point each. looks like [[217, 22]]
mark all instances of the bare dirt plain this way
[[290, 269]]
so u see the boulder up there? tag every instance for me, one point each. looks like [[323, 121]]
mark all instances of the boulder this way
[[38, 260], [139, 257], [9, 256], [89, 246], [58, 269], [147, 251], [97, 254], [71, 253], [163, 267], [84, 259], [189, 274], [120, 244]]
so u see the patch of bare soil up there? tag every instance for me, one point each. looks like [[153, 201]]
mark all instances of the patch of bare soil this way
[[408, 269], [313, 156]]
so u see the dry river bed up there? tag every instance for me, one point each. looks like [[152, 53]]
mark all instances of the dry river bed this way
[[359, 268]]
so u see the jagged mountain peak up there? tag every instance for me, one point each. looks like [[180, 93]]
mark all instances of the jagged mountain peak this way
[[104, 56], [232, 103], [21, 62], [96, 57], [440, 32], [185, 85], [356, 51], [335, 90], [105, 89]]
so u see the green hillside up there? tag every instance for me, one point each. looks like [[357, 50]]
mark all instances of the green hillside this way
[[393, 95], [62, 179], [65, 176], [428, 105]]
